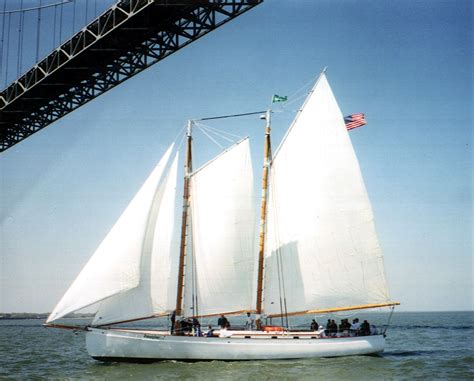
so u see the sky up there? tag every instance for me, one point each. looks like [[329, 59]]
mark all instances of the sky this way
[[406, 64]]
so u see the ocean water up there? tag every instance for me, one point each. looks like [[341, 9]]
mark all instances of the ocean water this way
[[434, 345]]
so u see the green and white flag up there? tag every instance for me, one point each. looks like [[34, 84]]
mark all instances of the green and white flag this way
[[279, 98]]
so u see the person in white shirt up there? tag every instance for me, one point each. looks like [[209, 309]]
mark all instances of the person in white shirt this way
[[249, 323]]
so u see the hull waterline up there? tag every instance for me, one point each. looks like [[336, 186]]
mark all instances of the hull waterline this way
[[134, 346]]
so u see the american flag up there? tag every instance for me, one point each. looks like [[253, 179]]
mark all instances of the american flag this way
[[354, 121]]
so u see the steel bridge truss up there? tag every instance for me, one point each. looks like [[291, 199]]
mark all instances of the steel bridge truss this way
[[126, 39]]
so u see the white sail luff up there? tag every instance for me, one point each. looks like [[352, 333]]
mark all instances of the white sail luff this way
[[223, 234], [115, 265], [321, 249], [164, 264]]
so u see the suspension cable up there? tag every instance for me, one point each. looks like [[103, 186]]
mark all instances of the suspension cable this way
[[74, 18], [63, 2], [87, 11], [38, 31], [54, 25], [2, 37], [8, 49], [61, 27], [20, 41]]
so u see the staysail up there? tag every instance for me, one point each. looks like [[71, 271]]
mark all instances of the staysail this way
[[115, 265], [156, 293], [223, 234], [321, 248]]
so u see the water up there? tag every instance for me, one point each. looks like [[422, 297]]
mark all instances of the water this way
[[435, 345]]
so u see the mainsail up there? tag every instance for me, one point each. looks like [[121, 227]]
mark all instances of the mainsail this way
[[223, 234], [321, 249], [115, 266]]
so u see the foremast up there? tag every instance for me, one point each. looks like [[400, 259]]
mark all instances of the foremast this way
[[184, 219], [267, 153]]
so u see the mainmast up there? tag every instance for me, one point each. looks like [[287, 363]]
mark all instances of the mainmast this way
[[184, 219], [267, 152]]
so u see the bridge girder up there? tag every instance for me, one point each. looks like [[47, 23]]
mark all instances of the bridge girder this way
[[126, 39]]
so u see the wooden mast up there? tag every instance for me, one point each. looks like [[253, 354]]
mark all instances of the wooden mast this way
[[267, 152], [184, 220]]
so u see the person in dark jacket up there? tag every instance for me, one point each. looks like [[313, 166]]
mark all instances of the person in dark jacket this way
[[223, 322], [173, 321], [314, 325], [365, 328]]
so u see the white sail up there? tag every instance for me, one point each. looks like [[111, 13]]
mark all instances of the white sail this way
[[321, 248], [223, 225], [115, 265], [156, 293]]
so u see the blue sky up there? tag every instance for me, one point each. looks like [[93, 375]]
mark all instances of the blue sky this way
[[406, 64]]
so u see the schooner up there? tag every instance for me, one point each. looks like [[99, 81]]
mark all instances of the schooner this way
[[317, 250]]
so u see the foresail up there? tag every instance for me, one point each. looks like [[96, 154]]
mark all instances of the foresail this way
[[321, 248], [115, 265], [223, 235], [156, 293]]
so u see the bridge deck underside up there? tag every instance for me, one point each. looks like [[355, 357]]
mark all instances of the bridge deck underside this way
[[126, 39]]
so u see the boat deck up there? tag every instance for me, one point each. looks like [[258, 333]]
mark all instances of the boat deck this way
[[240, 334]]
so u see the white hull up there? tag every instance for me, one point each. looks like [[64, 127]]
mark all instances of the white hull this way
[[128, 345]]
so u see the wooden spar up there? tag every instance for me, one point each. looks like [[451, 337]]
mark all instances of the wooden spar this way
[[64, 326], [337, 309], [263, 212], [132, 320], [184, 220], [225, 313]]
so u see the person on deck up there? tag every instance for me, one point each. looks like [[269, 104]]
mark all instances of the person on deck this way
[[173, 320], [365, 328], [223, 322], [355, 327], [328, 328], [258, 322], [197, 327], [249, 323], [210, 332], [344, 327], [314, 325], [333, 329]]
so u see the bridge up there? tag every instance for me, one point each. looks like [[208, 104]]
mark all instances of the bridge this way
[[115, 45]]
